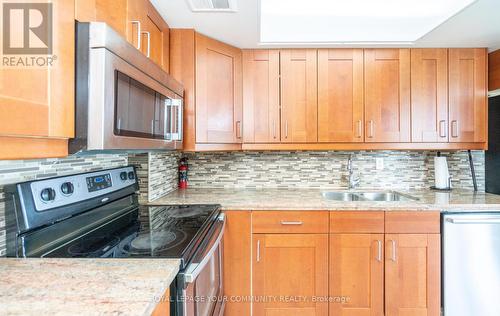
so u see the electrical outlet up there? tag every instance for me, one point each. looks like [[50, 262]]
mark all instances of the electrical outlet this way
[[379, 163]]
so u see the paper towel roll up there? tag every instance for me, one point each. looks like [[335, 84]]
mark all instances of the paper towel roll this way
[[441, 173]]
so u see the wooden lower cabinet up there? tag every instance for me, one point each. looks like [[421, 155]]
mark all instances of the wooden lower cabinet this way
[[290, 274], [163, 307], [356, 274], [354, 270], [237, 263], [412, 274]]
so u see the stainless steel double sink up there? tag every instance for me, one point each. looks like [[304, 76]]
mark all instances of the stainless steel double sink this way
[[374, 196]]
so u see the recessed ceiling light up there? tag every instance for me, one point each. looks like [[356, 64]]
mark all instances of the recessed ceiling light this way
[[351, 21]]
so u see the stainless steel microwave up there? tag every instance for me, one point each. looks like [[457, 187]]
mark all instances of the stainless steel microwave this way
[[124, 101]]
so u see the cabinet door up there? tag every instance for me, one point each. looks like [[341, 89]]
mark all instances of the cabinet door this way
[[412, 274], [157, 37], [468, 94], [387, 95], [147, 31], [290, 266], [429, 95], [356, 274], [261, 106], [299, 106], [237, 261], [340, 95], [37, 100], [218, 92]]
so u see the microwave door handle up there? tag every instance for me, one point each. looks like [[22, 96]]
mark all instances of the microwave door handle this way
[[171, 120], [180, 113], [194, 269]]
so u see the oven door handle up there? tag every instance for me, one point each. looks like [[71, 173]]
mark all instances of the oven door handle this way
[[194, 269]]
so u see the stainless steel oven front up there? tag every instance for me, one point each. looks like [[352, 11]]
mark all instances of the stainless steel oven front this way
[[200, 285], [124, 100]]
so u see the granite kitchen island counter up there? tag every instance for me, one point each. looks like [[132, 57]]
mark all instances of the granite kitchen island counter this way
[[84, 286], [311, 199]]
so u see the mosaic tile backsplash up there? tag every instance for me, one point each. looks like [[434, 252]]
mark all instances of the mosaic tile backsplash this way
[[402, 169], [13, 171], [156, 172]]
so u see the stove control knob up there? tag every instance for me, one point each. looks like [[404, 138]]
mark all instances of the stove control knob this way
[[131, 175], [123, 175], [48, 194], [67, 188]]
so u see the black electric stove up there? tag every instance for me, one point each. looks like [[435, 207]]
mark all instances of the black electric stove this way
[[172, 231], [99, 217]]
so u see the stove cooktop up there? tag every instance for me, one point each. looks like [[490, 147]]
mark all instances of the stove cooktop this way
[[170, 231]]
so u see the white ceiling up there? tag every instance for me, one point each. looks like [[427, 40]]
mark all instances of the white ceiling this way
[[478, 25]]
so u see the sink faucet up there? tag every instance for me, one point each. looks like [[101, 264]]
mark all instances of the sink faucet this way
[[353, 181]]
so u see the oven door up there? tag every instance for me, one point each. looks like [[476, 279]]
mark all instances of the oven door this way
[[202, 279]]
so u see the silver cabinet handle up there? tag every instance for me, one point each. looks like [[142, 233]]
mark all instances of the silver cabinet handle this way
[[138, 32], [370, 128], [292, 222], [258, 250], [379, 251], [360, 129], [442, 128], [238, 129], [148, 35], [454, 128], [286, 129], [393, 255]]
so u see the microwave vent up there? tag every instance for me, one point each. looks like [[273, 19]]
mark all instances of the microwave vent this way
[[212, 5]]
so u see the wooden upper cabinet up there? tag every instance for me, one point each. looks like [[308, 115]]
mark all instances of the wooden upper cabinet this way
[[290, 265], [494, 70], [356, 273], [136, 20], [157, 33], [261, 108], [37, 102], [387, 95], [218, 92], [113, 13], [299, 106], [340, 95], [429, 95], [467, 94], [412, 274], [147, 31]]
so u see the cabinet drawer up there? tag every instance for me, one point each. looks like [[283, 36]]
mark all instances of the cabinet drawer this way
[[357, 222], [427, 222], [290, 222]]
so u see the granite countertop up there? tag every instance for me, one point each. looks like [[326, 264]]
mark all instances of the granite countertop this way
[[311, 199], [83, 286]]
